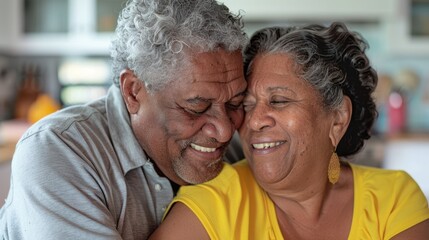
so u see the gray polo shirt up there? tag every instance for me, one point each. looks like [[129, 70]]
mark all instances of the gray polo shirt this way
[[80, 174]]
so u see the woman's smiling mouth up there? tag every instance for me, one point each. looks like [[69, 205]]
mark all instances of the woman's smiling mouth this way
[[266, 145]]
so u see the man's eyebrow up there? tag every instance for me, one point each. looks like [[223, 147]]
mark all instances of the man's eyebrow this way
[[198, 99]]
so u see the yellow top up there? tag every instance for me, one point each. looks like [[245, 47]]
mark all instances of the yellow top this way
[[233, 206], [386, 202]]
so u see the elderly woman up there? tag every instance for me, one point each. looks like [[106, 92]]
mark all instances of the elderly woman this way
[[308, 107]]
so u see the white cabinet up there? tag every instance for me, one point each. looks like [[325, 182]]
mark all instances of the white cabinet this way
[[57, 27], [8, 25], [408, 30], [411, 155], [280, 10]]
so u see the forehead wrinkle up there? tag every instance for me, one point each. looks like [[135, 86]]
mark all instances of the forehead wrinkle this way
[[278, 88], [198, 98]]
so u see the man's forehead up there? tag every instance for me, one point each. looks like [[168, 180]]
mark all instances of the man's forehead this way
[[219, 56]]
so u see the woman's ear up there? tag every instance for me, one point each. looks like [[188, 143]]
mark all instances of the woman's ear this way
[[131, 86], [341, 121]]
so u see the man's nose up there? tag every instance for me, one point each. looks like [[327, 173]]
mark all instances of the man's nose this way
[[220, 127]]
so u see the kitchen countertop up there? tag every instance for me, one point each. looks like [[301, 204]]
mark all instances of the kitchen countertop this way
[[413, 136]]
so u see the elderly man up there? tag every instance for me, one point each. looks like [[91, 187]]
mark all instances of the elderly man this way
[[108, 169]]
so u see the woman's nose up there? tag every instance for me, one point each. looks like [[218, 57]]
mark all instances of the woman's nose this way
[[259, 118]]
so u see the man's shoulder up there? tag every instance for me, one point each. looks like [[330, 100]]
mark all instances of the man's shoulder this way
[[91, 115], [71, 133]]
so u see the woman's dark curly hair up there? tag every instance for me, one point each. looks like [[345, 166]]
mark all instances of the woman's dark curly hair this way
[[333, 60]]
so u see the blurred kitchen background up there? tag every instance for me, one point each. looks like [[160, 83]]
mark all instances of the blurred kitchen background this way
[[55, 53]]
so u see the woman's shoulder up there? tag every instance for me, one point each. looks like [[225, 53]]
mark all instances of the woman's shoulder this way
[[375, 175], [388, 199], [383, 184]]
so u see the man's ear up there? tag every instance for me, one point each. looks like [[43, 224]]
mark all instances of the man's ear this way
[[130, 86], [341, 121]]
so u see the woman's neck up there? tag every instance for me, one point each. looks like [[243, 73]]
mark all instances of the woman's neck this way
[[311, 210]]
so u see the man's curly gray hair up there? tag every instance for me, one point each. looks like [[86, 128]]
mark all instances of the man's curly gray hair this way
[[152, 35]]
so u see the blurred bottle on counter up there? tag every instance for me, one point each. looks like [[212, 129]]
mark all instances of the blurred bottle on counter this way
[[32, 103], [7, 88], [397, 112], [381, 97]]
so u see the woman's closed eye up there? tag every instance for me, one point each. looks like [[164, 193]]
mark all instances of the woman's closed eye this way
[[279, 100]]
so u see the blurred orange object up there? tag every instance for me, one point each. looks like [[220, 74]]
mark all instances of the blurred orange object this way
[[41, 107]]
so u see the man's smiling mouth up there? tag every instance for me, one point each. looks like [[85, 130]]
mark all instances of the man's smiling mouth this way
[[201, 148]]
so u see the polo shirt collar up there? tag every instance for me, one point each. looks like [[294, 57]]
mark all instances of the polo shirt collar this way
[[129, 151]]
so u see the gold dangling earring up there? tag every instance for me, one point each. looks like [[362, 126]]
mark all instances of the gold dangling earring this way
[[334, 168]]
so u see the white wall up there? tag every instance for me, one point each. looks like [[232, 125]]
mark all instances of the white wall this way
[[312, 9], [4, 12], [411, 156], [10, 24]]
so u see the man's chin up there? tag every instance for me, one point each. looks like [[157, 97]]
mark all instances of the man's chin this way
[[207, 174]]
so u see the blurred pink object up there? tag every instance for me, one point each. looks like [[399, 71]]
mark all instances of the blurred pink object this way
[[397, 112]]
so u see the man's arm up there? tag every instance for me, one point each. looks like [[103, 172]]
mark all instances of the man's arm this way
[[55, 194]]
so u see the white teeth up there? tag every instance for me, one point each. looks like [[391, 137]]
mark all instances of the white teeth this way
[[202, 149], [266, 145]]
